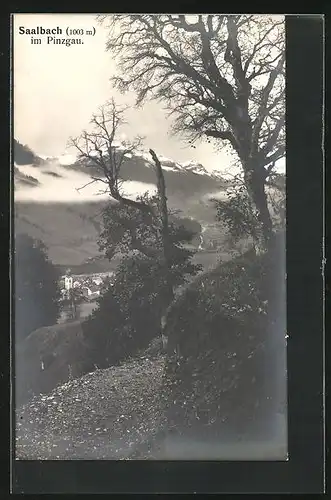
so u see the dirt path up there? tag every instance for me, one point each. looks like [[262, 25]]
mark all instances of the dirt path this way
[[116, 414], [103, 415]]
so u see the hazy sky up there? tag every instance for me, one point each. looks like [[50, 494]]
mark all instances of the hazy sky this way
[[57, 88]]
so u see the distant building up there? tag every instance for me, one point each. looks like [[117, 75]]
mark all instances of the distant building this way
[[91, 292], [94, 290], [68, 282], [97, 281], [86, 291]]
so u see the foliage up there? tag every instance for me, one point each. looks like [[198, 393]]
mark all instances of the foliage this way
[[37, 293], [223, 357], [74, 297], [129, 312], [240, 216], [127, 228], [277, 200]]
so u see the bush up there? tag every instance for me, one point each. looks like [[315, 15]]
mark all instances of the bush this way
[[129, 313], [130, 310], [37, 292], [222, 354], [238, 215]]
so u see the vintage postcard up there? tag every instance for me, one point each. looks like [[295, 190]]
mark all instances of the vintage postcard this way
[[149, 168]]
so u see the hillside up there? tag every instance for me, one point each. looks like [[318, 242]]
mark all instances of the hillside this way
[[47, 358], [23, 155], [70, 231], [117, 414], [103, 415], [122, 413]]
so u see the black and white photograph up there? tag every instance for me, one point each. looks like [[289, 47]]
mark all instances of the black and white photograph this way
[[149, 237]]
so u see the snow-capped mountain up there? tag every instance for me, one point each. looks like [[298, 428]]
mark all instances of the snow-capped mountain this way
[[64, 159], [61, 178], [195, 167], [56, 202]]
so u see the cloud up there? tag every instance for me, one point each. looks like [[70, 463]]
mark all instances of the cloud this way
[[64, 186]]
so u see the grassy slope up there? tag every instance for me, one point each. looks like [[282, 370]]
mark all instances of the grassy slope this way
[[70, 231], [59, 346]]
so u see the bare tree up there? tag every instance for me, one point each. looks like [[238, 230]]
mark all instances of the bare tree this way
[[97, 149], [221, 75]]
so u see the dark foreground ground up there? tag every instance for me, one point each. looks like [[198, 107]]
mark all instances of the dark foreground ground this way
[[116, 414]]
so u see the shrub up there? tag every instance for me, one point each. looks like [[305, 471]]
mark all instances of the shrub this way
[[37, 292], [128, 314], [240, 217], [222, 354], [130, 310]]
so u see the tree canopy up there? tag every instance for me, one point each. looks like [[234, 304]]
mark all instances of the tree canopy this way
[[222, 76]]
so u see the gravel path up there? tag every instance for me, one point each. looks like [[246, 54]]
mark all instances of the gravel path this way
[[106, 414], [115, 414]]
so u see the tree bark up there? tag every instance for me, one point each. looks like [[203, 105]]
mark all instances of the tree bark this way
[[168, 292], [255, 183], [163, 208]]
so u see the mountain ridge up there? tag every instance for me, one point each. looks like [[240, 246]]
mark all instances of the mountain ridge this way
[[70, 226], [49, 204]]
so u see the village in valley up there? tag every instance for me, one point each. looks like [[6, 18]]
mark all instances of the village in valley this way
[[79, 294], [90, 285]]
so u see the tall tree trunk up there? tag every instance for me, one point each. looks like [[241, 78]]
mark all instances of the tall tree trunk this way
[[168, 292], [255, 183]]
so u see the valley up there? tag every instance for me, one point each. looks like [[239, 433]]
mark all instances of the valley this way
[[50, 206]]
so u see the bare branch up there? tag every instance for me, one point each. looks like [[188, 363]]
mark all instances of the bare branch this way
[[263, 106], [94, 179], [221, 76], [97, 148], [225, 135]]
